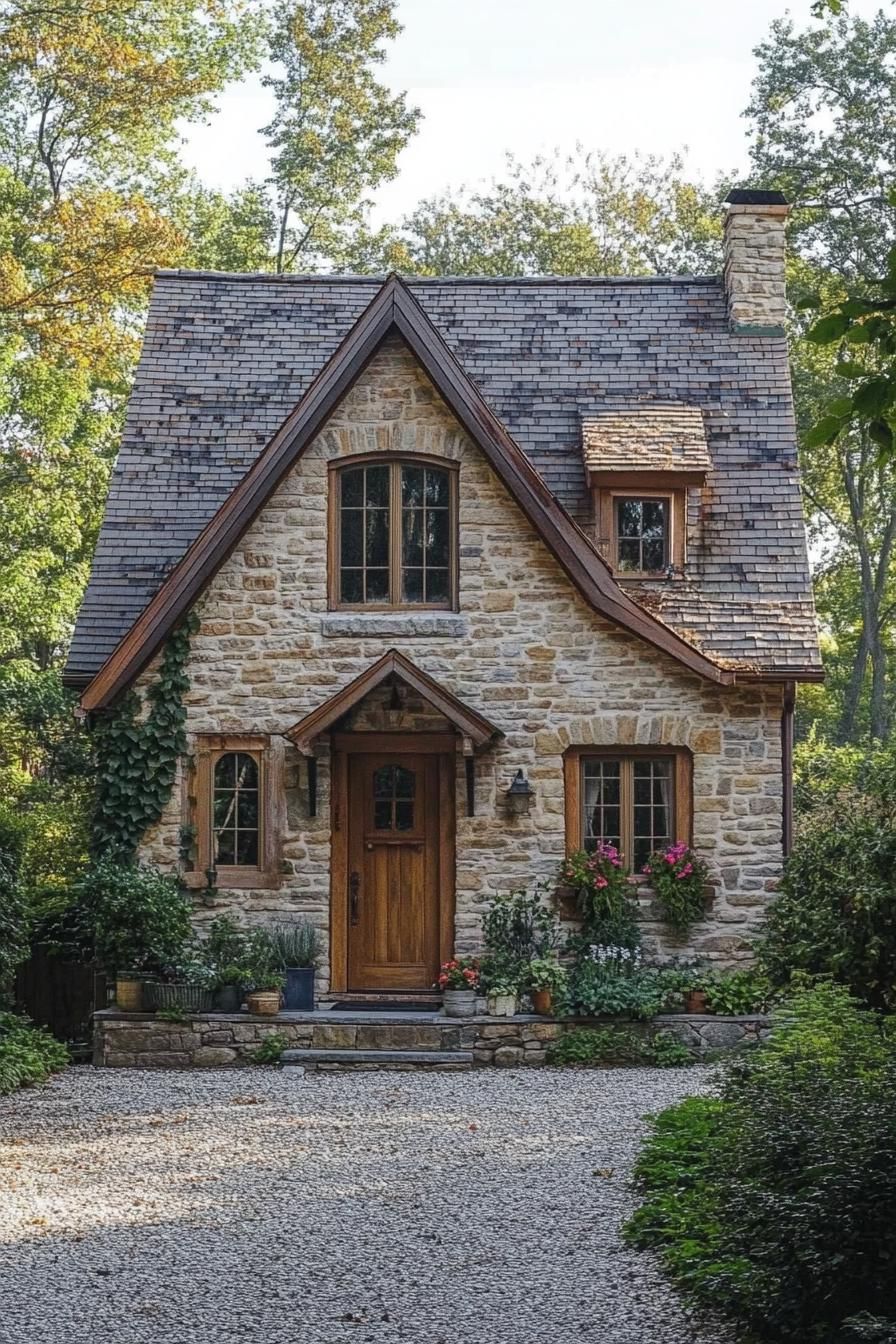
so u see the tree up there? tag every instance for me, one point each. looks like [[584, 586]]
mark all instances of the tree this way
[[337, 131], [587, 213], [824, 117]]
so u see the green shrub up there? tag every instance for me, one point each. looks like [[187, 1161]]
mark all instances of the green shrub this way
[[518, 927], [611, 982], [28, 1054], [775, 1203], [137, 918], [271, 1049], [836, 912], [583, 1046], [733, 993]]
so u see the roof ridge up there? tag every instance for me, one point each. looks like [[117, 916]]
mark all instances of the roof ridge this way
[[378, 280]]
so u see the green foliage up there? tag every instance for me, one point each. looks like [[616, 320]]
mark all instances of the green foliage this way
[[577, 214], [774, 1204], [835, 914], [678, 877], [173, 1014], [296, 944], [518, 927], [587, 1046], [137, 750], [28, 1054], [604, 896], [733, 993], [271, 1049], [612, 982], [137, 919], [13, 923], [337, 131], [545, 973]]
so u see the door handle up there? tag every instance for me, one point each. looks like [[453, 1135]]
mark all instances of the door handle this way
[[354, 890]]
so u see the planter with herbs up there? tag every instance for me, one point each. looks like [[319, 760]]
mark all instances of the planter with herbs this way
[[296, 949]]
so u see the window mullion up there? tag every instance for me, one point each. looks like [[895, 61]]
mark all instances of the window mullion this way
[[396, 526], [627, 819]]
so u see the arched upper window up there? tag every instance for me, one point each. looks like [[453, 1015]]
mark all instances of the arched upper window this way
[[395, 529], [235, 813]]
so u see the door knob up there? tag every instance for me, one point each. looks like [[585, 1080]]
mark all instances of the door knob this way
[[354, 896]]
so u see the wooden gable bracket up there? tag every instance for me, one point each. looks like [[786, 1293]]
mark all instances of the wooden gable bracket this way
[[471, 725], [394, 309]]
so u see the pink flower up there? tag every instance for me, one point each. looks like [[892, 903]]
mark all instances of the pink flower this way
[[647, 867], [600, 882]]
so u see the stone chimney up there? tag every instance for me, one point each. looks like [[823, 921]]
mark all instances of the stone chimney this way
[[754, 249]]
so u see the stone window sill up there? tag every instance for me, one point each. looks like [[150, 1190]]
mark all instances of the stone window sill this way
[[393, 624]]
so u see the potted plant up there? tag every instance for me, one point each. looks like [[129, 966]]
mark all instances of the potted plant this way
[[547, 980], [138, 920], [230, 981], [502, 997], [189, 986], [678, 877], [458, 981], [296, 948], [263, 999]]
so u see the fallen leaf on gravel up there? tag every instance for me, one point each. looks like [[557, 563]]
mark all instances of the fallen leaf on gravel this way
[[244, 1101], [606, 1172]]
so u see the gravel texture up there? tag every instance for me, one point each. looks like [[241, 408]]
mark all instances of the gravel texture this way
[[223, 1206]]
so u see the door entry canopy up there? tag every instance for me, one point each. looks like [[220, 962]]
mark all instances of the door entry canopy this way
[[471, 725]]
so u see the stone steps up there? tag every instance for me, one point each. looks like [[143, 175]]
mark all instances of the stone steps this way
[[349, 1060]]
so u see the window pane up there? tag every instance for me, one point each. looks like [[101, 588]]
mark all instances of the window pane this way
[[226, 848], [654, 524], [629, 555], [382, 816], [405, 782], [600, 781], [377, 537], [247, 848], [247, 810], [412, 585], [247, 771], [437, 492], [628, 517], [384, 781], [377, 486], [404, 816], [377, 585], [351, 586], [352, 540], [412, 537], [223, 808], [225, 771], [412, 492], [352, 488], [654, 555], [437, 537], [437, 585]]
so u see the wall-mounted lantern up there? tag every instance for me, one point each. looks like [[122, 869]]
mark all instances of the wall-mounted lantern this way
[[519, 796]]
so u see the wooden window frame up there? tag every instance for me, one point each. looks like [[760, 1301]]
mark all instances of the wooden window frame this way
[[395, 461], [682, 790], [208, 750], [607, 533]]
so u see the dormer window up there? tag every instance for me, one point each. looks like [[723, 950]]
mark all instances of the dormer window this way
[[393, 535], [642, 531]]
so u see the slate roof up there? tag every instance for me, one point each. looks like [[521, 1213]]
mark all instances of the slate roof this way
[[649, 436], [226, 357]]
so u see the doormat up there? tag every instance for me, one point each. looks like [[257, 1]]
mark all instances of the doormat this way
[[398, 1006]]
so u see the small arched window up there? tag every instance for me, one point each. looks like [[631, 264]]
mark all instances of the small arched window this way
[[395, 542], [235, 814]]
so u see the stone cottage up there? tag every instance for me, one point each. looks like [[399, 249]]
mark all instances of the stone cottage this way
[[484, 570]]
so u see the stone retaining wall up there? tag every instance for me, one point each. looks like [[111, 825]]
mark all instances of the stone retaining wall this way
[[215, 1040]]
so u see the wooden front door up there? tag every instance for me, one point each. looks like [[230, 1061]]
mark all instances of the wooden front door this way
[[396, 868]]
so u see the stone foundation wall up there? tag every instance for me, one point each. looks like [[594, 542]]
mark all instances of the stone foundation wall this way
[[141, 1041], [524, 649]]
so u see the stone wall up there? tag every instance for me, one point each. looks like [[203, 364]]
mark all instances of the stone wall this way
[[524, 649], [218, 1040]]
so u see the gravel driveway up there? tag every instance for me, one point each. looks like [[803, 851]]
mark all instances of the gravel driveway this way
[[216, 1207]]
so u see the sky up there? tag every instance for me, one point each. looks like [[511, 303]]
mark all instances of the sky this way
[[526, 76]]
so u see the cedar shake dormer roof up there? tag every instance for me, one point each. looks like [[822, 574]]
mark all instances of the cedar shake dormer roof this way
[[227, 359], [664, 436]]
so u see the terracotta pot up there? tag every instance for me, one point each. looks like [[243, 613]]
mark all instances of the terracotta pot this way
[[129, 994], [542, 1001], [502, 1005], [459, 1002], [695, 1001], [264, 1002]]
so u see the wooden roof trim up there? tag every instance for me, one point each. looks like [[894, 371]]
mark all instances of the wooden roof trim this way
[[394, 307], [468, 722]]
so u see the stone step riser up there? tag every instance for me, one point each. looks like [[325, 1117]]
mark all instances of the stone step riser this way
[[377, 1059]]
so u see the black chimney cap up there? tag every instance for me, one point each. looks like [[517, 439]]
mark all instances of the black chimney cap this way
[[747, 197]]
